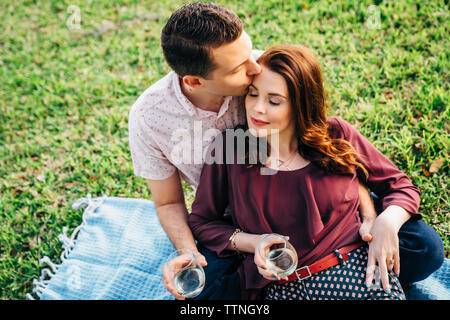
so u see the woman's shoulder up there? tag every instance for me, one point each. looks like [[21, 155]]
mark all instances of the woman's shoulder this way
[[339, 128]]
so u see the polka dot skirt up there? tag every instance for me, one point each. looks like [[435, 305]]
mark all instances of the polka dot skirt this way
[[341, 282]]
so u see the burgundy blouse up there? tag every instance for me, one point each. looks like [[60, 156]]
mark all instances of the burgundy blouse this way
[[317, 210]]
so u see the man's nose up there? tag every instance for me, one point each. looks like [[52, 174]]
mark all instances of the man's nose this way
[[254, 68]]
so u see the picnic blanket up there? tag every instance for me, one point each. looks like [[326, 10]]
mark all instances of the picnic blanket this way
[[118, 250]]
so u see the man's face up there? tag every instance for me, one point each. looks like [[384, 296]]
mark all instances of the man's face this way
[[235, 68]]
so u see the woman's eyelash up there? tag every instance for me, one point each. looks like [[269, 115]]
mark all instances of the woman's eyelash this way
[[274, 103], [270, 101]]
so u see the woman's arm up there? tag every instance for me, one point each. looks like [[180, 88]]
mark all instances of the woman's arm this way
[[400, 202], [390, 184], [207, 220]]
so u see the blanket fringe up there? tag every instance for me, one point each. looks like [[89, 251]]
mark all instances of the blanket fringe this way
[[68, 242]]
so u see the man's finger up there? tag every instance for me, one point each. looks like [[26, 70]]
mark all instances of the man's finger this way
[[202, 260], [364, 232]]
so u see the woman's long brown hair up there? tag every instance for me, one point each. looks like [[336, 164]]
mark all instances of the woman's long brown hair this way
[[303, 76]]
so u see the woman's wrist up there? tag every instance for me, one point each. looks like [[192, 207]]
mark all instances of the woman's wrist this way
[[395, 216], [247, 242]]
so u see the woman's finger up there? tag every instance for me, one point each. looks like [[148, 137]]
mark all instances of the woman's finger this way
[[267, 274], [397, 263], [370, 270], [390, 263], [384, 275]]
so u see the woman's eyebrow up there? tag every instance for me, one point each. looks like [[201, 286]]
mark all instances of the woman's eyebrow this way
[[270, 93]]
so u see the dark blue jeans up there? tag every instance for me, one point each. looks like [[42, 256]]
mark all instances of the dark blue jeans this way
[[421, 253]]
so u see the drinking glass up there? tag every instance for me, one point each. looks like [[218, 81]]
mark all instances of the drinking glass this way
[[187, 273], [279, 255]]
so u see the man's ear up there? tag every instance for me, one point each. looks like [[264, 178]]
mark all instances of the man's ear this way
[[193, 81]]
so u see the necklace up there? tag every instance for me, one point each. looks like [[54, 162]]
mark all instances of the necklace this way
[[284, 163]]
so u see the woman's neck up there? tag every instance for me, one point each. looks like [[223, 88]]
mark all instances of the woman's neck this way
[[282, 144]]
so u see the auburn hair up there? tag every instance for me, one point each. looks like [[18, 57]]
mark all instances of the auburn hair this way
[[303, 76]]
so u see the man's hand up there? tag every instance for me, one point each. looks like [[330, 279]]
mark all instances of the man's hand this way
[[168, 276], [173, 216], [368, 213]]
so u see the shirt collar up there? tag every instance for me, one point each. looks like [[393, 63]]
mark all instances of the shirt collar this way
[[187, 105]]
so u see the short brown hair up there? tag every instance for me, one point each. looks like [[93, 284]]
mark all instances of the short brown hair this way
[[192, 31]]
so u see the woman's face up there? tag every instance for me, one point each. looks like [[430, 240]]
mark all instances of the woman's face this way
[[268, 106]]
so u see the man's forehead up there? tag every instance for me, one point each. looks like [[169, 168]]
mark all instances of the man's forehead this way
[[233, 54]]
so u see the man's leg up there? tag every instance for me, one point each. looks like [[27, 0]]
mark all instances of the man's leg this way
[[421, 252], [421, 249], [222, 279]]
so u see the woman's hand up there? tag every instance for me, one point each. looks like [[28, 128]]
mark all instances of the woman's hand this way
[[261, 264], [384, 246]]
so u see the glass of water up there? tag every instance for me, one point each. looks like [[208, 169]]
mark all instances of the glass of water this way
[[187, 273], [279, 255]]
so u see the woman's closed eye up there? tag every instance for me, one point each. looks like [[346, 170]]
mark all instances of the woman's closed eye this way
[[271, 101], [275, 103]]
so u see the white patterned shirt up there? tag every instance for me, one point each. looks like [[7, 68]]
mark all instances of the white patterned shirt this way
[[167, 132]]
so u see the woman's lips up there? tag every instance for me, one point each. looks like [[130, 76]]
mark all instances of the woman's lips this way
[[257, 122]]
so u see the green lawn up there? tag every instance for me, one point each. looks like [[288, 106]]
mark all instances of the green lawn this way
[[65, 95]]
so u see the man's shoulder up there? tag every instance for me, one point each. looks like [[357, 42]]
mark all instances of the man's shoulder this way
[[154, 95]]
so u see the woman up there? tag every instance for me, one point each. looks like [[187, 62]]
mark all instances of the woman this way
[[312, 197]]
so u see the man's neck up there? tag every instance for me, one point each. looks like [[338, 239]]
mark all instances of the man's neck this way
[[202, 101]]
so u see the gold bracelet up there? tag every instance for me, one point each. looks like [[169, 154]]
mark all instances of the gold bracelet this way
[[233, 240]]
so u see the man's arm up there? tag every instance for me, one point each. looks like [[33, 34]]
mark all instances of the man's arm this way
[[172, 212], [367, 211], [173, 215]]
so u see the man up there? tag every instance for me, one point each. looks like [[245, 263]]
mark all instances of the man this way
[[212, 66]]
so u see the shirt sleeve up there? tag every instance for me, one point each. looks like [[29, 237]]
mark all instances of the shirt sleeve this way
[[149, 161], [385, 179], [207, 220]]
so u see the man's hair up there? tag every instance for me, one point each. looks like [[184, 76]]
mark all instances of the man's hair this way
[[192, 31]]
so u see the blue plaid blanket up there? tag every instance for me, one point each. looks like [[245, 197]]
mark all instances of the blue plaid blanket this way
[[118, 251]]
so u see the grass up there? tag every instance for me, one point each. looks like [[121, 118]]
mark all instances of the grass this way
[[66, 94]]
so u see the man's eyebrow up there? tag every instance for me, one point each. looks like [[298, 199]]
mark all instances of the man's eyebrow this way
[[269, 94]]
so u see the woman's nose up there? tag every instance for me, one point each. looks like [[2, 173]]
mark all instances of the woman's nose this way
[[259, 107]]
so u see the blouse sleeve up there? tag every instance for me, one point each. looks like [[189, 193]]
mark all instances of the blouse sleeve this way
[[385, 179], [207, 220]]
